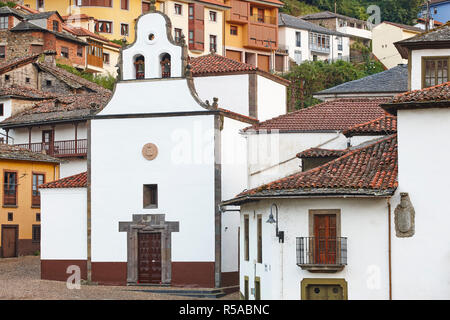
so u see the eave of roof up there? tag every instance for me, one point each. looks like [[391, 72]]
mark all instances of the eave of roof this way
[[75, 181]]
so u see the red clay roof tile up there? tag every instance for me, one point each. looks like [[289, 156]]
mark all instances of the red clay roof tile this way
[[385, 125], [321, 153], [75, 181]]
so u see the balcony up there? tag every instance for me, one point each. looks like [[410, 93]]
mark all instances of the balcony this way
[[59, 149], [9, 195], [263, 19], [321, 254], [319, 49]]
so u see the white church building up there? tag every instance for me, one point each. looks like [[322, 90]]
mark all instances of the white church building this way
[[160, 160]]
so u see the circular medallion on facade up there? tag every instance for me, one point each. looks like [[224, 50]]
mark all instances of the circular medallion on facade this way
[[150, 151]]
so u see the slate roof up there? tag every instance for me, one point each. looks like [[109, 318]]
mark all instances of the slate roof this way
[[41, 15], [70, 79], [394, 80], [368, 171], [385, 125], [298, 23], [10, 64], [328, 15], [321, 153], [75, 181], [435, 38], [29, 26], [7, 11], [61, 109], [334, 115], [9, 152], [25, 93], [432, 97]]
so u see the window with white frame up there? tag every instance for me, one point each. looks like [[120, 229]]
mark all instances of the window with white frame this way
[[178, 9], [298, 56], [298, 39], [3, 23]]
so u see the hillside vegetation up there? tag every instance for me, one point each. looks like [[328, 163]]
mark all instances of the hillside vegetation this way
[[400, 11]]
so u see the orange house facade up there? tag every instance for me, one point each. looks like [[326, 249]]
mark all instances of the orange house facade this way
[[251, 32], [22, 172]]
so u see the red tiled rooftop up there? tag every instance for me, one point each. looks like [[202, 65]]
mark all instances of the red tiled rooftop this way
[[75, 181], [214, 63], [371, 170], [327, 116], [321, 153], [385, 125]]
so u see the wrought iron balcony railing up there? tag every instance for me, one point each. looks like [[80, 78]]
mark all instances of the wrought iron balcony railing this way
[[321, 254], [59, 149]]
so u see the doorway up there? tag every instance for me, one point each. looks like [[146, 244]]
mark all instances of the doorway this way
[[10, 235], [48, 141], [149, 258]]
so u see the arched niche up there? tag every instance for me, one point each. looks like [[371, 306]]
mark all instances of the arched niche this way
[[166, 65], [139, 66]]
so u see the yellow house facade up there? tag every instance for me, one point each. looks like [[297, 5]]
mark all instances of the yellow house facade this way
[[200, 21], [384, 35], [22, 171]]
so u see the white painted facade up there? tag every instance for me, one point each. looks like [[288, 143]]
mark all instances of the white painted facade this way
[[288, 41], [416, 61], [363, 222], [63, 224]]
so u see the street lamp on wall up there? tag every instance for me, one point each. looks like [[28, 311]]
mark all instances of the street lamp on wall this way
[[271, 220]]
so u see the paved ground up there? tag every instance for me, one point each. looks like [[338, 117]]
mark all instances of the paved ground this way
[[20, 279]]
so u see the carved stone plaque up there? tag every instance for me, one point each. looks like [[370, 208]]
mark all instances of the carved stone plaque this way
[[150, 151]]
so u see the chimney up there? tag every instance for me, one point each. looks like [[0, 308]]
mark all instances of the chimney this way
[[49, 57]]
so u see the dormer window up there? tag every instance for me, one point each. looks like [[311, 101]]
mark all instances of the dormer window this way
[[139, 64], [435, 71], [55, 26], [3, 23]]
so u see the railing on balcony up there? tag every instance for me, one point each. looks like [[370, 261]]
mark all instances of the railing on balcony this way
[[283, 49], [66, 148], [314, 253], [9, 195], [320, 49], [263, 19]]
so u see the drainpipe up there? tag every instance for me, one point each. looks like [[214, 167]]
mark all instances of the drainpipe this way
[[389, 248]]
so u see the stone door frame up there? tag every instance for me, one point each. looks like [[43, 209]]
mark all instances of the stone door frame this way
[[149, 223]]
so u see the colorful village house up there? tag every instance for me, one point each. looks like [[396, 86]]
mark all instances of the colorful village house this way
[[176, 138], [22, 171]]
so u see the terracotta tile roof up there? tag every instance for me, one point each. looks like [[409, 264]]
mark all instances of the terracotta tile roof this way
[[26, 93], [332, 115], [72, 80], [24, 8], [60, 109], [9, 152], [385, 125], [432, 97], [220, 3], [371, 171], [82, 32], [321, 153], [75, 181], [214, 63]]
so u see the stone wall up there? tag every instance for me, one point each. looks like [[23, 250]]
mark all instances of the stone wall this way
[[26, 76], [49, 83]]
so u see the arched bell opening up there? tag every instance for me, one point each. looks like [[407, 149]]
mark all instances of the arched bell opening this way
[[139, 65], [166, 64]]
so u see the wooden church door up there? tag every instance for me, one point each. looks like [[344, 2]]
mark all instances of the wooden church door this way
[[149, 258]]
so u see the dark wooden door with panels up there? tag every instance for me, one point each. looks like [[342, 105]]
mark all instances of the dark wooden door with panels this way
[[149, 258]]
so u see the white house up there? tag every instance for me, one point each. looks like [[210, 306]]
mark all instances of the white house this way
[[306, 41], [169, 158], [428, 57]]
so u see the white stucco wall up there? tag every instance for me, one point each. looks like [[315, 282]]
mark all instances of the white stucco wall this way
[[7, 108], [63, 224], [271, 97], [273, 156], [420, 266], [416, 61], [232, 91], [363, 222]]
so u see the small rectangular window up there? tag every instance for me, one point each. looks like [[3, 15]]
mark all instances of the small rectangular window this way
[[145, 7], [65, 52], [246, 238], [2, 109], [3, 23], [10, 216], [104, 26], [233, 30], [7, 77], [246, 288], [213, 16], [55, 25], [38, 179], [36, 233], [191, 37], [10, 188], [124, 4], [124, 30], [259, 235], [257, 288], [178, 33], [178, 9], [79, 51], [105, 58], [40, 4], [150, 196], [213, 43], [2, 52], [48, 83], [27, 80], [298, 39], [38, 217]]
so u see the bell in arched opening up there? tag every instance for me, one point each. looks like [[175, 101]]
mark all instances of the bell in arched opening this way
[[139, 64], [165, 65]]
